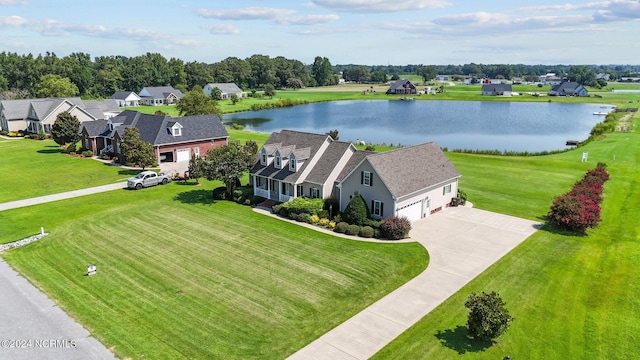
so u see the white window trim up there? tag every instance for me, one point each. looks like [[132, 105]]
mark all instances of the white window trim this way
[[366, 181], [378, 208], [315, 193], [292, 164]]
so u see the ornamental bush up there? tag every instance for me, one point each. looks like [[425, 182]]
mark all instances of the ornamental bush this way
[[356, 211], [303, 205], [341, 227], [488, 317], [366, 232], [353, 230], [395, 228]]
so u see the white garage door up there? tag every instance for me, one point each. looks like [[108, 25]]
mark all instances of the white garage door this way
[[412, 211], [183, 155]]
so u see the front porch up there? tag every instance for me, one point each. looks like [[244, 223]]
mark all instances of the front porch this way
[[273, 189]]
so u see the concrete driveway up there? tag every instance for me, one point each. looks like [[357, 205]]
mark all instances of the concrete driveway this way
[[462, 243]]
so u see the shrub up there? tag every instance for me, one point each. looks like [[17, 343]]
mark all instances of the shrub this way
[[237, 126], [87, 153], [488, 317], [331, 205], [337, 218], [314, 219], [372, 223], [34, 137], [304, 205], [276, 208], [105, 156], [323, 214], [574, 213], [341, 227], [324, 222], [11, 134], [356, 211], [353, 230], [395, 228], [366, 232], [69, 148], [332, 225], [4, 132]]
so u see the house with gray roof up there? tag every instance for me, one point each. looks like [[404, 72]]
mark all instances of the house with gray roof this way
[[568, 88], [402, 87], [159, 95], [173, 139], [34, 115], [226, 90], [126, 98], [414, 181], [497, 89]]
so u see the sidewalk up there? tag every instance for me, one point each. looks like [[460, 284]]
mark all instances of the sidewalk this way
[[61, 196], [462, 242]]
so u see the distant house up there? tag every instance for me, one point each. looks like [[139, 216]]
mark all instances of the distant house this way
[[34, 115], [173, 139], [442, 78], [414, 181], [496, 89], [126, 98], [550, 79], [159, 95], [568, 88], [402, 87], [226, 90], [517, 80]]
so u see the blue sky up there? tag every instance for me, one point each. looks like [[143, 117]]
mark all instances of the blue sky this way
[[369, 32]]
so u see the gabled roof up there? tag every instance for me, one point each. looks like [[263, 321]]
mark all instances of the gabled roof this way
[[226, 88], [159, 92], [155, 129], [412, 168], [97, 128], [293, 140], [15, 109], [98, 108], [401, 84], [328, 162], [496, 87], [566, 86], [123, 95]]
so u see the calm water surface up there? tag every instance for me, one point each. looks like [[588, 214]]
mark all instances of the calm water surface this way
[[512, 126]]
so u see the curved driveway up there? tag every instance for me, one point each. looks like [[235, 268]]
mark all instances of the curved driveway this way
[[462, 243]]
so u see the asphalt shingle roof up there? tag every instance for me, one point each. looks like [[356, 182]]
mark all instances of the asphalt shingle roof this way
[[412, 168]]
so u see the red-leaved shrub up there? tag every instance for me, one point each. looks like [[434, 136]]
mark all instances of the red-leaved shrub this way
[[395, 228]]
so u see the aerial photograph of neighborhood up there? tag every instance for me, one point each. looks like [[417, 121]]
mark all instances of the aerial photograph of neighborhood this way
[[319, 179]]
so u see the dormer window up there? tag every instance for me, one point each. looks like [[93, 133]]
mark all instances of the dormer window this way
[[176, 129], [277, 161], [263, 159], [292, 164]]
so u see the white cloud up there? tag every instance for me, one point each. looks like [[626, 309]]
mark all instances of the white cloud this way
[[375, 6], [12, 21], [221, 29], [309, 19], [249, 13]]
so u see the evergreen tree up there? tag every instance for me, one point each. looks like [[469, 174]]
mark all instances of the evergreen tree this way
[[135, 151], [65, 129]]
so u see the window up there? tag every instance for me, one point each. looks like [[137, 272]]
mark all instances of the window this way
[[177, 131], [276, 162], [446, 189], [299, 190], [263, 159], [315, 193], [292, 164], [196, 151], [366, 178], [376, 207]]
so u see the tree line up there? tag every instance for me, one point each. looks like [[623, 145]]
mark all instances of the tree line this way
[[27, 76]]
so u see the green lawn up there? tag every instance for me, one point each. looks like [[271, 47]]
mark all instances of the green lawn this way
[[180, 276], [573, 297], [31, 168]]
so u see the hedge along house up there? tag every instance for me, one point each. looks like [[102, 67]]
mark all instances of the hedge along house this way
[[173, 139], [415, 181]]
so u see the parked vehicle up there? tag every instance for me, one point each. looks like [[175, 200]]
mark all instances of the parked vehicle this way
[[146, 179]]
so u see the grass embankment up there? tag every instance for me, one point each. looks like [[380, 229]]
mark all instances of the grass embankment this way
[[180, 276], [32, 168], [573, 297]]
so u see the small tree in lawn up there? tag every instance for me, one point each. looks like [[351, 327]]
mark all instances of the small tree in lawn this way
[[488, 316], [228, 163], [234, 99], [269, 90], [135, 151], [196, 168], [65, 129]]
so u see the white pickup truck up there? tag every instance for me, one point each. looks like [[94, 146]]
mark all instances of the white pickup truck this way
[[146, 179]]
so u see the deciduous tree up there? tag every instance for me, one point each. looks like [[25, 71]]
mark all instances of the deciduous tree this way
[[65, 129], [195, 102], [135, 151], [196, 168], [488, 317], [52, 85], [228, 163]]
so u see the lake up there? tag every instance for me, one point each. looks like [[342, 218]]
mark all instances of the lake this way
[[476, 125]]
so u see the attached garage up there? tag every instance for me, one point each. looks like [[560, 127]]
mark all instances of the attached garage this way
[[412, 211], [183, 155]]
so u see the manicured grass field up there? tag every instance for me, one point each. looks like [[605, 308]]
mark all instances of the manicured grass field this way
[[573, 297], [181, 276], [31, 168]]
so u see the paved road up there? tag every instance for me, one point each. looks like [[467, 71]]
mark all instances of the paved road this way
[[462, 243], [33, 327], [61, 196]]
